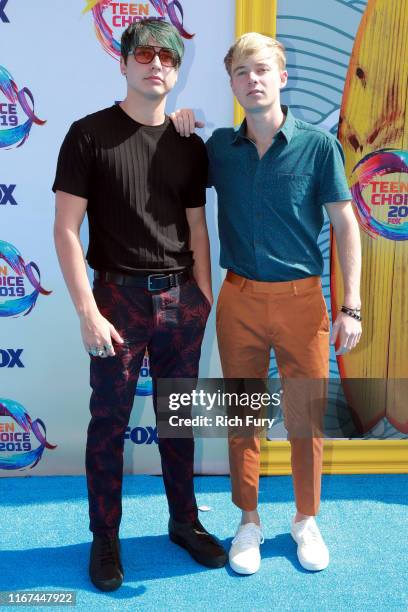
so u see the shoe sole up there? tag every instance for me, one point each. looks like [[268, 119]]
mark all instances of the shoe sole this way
[[207, 561], [311, 568], [240, 570], [106, 589]]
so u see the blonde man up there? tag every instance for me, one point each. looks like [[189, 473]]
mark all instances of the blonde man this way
[[273, 176]]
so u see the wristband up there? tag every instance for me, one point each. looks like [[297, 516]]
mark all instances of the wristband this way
[[352, 312]]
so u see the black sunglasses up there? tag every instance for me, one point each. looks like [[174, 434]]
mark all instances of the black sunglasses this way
[[147, 53]]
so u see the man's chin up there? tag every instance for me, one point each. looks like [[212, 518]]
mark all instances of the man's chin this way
[[154, 95], [255, 107]]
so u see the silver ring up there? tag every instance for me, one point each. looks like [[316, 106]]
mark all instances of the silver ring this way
[[96, 351]]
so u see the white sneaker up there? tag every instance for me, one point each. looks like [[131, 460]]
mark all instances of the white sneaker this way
[[312, 552], [244, 555]]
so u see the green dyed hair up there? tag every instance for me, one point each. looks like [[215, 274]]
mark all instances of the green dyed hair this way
[[139, 32]]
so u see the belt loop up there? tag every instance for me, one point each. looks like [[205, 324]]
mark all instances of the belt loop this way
[[294, 288], [242, 284]]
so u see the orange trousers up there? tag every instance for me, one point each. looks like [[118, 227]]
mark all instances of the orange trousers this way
[[291, 317]]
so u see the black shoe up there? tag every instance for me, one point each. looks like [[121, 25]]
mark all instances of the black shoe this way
[[105, 567], [201, 545]]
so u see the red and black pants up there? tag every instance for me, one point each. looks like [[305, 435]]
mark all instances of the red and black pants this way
[[171, 325]]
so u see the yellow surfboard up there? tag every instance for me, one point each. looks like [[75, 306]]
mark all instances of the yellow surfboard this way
[[373, 132]]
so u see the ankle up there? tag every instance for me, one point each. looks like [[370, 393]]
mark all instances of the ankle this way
[[250, 517], [301, 517]]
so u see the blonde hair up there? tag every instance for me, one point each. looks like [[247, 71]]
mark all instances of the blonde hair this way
[[251, 43]]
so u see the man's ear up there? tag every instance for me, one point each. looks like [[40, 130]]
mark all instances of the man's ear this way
[[283, 79], [123, 66]]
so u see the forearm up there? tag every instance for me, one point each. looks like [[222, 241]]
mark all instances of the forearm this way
[[349, 253], [200, 245], [73, 266]]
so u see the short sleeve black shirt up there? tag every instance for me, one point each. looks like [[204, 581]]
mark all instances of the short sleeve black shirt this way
[[138, 181]]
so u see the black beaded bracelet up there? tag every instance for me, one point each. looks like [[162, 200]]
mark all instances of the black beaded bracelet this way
[[352, 312]]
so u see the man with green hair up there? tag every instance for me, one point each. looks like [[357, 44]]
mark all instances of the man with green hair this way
[[143, 188]]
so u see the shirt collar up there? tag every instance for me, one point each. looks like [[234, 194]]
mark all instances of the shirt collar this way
[[286, 130]]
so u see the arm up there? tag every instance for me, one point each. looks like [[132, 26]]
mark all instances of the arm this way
[[346, 329], [200, 245], [95, 329]]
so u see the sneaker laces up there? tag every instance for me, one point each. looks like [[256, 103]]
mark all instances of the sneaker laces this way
[[109, 555], [249, 536], [310, 533]]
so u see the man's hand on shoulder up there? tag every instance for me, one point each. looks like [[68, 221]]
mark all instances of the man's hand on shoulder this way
[[185, 122]]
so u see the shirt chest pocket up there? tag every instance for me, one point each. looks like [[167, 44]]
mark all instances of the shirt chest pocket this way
[[289, 189]]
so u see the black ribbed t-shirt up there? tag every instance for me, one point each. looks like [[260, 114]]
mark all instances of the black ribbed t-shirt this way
[[138, 181]]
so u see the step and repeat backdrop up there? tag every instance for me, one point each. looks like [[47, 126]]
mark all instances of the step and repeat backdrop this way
[[60, 61]]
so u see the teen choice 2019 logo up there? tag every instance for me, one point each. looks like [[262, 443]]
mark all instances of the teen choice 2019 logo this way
[[380, 192], [111, 18], [20, 283], [22, 440], [16, 112]]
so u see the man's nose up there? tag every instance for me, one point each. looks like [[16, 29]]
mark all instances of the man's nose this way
[[156, 63], [252, 77]]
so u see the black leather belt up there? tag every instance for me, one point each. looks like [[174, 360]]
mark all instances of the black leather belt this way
[[151, 282]]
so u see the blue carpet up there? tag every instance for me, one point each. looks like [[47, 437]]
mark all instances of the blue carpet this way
[[45, 545]]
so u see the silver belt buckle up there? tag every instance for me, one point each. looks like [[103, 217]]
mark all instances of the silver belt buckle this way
[[149, 282], [153, 276]]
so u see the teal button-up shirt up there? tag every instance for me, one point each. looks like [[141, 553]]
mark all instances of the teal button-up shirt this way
[[270, 210]]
